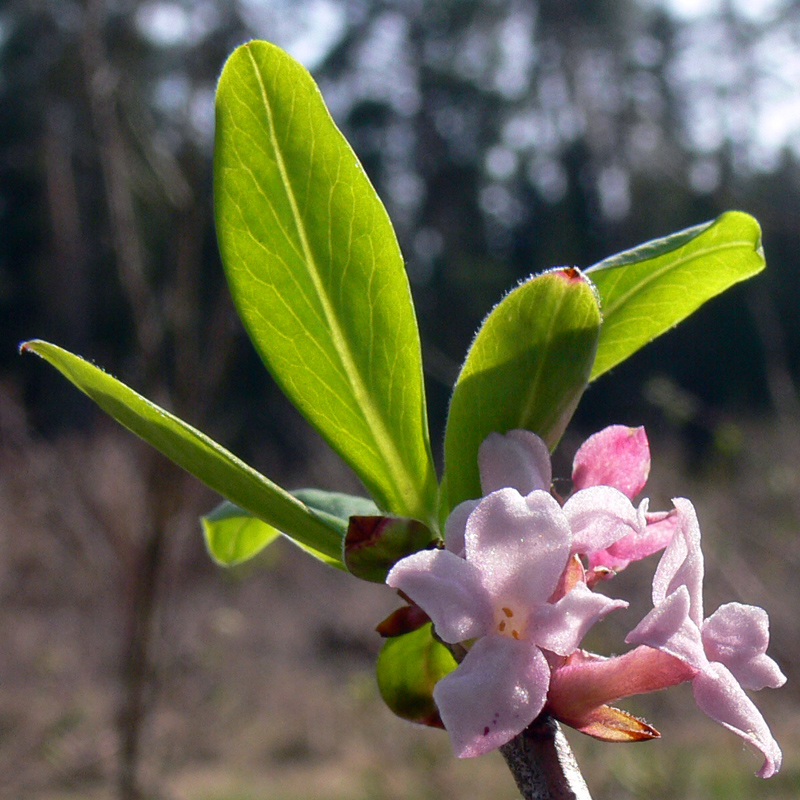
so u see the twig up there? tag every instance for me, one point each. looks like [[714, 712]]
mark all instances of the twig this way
[[543, 765]]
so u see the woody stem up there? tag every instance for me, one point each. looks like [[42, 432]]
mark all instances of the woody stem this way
[[543, 765]]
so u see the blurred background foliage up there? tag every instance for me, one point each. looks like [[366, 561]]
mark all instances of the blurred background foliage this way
[[504, 136]]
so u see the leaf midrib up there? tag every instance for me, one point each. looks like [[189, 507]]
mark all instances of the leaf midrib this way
[[394, 463], [527, 409], [655, 274]]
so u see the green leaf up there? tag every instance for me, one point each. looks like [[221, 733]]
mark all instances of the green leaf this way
[[336, 508], [234, 535], [527, 368], [408, 668], [317, 276], [197, 453], [649, 289]]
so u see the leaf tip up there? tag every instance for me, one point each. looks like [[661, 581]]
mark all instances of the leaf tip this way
[[569, 274], [575, 277]]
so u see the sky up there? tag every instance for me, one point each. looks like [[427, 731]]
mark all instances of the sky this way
[[754, 105]]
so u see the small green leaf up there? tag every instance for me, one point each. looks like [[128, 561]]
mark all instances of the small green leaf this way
[[317, 276], [409, 666], [335, 508], [651, 288], [196, 453], [374, 544], [527, 368], [234, 535]]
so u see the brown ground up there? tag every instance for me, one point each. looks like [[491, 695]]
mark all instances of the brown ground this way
[[263, 676]]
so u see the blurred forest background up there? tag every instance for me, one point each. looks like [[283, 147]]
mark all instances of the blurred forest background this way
[[505, 137]]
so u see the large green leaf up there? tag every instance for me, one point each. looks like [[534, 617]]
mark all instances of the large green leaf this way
[[196, 453], [649, 289], [317, 275], [234, 535], [408, 668], [527, 368]]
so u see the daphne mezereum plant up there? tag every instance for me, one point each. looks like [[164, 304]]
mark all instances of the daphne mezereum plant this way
[[498, 574]]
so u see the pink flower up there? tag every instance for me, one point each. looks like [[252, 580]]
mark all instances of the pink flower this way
[[599, 516], [619, 456], [582, 687], [511, 590], [497, 590], [726, 651]]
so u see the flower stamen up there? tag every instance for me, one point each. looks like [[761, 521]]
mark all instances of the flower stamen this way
[[508, 623]]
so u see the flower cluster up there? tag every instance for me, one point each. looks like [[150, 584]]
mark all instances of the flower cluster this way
[[513, 592]]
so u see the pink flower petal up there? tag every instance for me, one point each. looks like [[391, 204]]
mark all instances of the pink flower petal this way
[[456, 525], [448, 589], [667, 520], [600, 516], [518, 460], [494, 694], [669, 628], [561, 626], [737, 635], [719, 695], [616, 456], [682, 562], [655, 533], [520, 545], [588, 681]]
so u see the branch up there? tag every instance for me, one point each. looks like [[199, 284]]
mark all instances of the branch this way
[[543, 765]]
